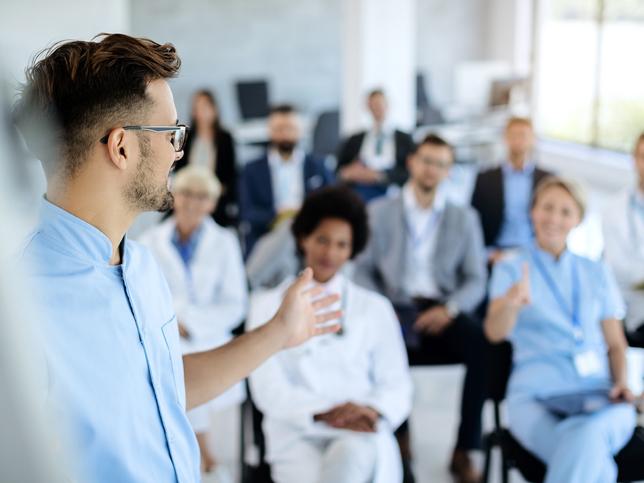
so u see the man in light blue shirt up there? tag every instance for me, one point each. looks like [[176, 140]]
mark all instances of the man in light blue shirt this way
[[502, 195], [116, 380]]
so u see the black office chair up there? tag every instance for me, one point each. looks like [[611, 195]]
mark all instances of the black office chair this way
[[253, 434], [326, 133], [513, 455]]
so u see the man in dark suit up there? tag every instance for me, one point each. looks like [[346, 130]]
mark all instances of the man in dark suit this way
[[502, 195], [273, 187], [372, 160]]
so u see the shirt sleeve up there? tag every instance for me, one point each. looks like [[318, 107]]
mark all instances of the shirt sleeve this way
[[613, 306], [504, 276]]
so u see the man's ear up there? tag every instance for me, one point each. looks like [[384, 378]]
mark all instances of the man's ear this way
[[117, 149]]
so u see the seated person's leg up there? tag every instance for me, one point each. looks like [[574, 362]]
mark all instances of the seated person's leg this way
[[299, 462], [462, 342], [585, 446], [350, 458]]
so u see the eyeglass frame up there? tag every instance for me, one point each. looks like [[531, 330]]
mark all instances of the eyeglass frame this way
[[176, 127]]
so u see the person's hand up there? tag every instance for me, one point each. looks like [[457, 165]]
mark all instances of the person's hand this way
[[301, 315], [351, 416], [358, 172], [433, 321], [183, 331], [621, 393], [519, 294], [495, 256]]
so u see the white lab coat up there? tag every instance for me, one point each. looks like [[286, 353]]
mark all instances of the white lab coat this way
[[212, 300], [367, 365], [624, 250]]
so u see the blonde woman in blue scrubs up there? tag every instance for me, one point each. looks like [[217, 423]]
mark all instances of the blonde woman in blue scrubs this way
[[562, 312]]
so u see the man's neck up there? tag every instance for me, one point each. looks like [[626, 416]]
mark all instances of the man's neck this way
[[640, 185], [424, 197], [98, 208], [518, 161]]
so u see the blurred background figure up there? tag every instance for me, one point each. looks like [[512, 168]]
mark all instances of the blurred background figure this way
[[212, 146], [330, 408], [502, 195], [273, 187], [624, 239], [372, 160], [203, 266]]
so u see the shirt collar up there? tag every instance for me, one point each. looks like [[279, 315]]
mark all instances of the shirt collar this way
[[275, 160], [335, 285], [192, 241], [549, 258], [411, 203], [75, 234], [528, 168]]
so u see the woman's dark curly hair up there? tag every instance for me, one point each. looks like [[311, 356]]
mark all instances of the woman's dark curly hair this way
[[333, 202]]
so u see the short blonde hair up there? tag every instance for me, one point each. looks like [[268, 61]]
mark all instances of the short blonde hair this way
[[197, 178], [573, 188]]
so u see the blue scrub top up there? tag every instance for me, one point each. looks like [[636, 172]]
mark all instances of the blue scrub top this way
[[111, 343], [543, 336]]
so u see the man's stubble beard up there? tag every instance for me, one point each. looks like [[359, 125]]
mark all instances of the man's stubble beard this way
[[141, 193]]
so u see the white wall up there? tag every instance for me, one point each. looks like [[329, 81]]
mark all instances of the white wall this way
[[296, 45], [28, 26]]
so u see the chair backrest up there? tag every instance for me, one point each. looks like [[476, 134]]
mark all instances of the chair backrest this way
[[252, 97], [499, 368], [326, 134]]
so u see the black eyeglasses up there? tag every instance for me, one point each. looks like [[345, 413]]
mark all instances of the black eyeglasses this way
[[180, 133]]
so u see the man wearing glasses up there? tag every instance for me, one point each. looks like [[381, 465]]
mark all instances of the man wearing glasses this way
[[116, 379], [427, 256]]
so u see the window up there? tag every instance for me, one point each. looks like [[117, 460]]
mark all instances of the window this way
[[589, 73]]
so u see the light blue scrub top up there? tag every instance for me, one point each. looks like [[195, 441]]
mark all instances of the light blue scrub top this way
[[115, 373], [543, 337], [516, 228]]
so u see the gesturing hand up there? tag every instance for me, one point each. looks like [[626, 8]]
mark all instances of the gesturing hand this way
[[519, 293], [301, 315]]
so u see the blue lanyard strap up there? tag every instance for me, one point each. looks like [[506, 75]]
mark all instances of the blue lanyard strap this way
[[431, 224], [572, 312]]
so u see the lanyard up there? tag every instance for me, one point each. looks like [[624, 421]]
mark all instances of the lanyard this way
[[556, 292], [634, 211], [417, 238]]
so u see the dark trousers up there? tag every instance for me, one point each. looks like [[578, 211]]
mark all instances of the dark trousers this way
[[462, 342]]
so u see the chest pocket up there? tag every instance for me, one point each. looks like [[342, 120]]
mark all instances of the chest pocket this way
[[173, 359]]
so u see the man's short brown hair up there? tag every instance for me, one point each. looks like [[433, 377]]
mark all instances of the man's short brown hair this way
[[519, 121], [85, 88]]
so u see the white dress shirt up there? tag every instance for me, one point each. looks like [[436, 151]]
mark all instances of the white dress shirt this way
[[378, 149], [623, 224], [421, 232], [287, 177]]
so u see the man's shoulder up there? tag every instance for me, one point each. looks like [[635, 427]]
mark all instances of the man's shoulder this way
[[489, 174], [254, 165], [384, 205]]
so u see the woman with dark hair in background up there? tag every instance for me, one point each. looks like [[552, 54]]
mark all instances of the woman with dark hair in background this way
[[212, 146]]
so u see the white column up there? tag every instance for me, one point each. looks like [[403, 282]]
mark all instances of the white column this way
[[379, 50]]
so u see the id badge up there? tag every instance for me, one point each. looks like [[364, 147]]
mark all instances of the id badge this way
[[588, 363]]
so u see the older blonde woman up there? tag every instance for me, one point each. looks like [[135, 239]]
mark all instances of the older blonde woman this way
[[203, 265], [567, 395]]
